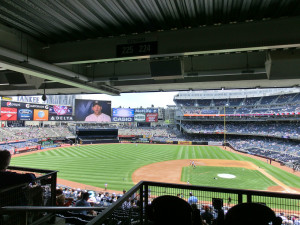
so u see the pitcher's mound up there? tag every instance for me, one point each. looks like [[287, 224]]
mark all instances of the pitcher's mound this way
[[226, 176]]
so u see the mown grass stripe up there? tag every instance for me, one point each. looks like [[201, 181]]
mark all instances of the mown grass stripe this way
[[114, 163]]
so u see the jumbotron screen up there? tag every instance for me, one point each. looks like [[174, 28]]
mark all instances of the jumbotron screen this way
[[92, 110]]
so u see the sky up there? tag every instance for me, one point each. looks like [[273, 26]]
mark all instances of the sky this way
[[136, 100]]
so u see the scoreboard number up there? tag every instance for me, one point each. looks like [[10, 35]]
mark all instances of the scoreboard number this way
[[137, 49]]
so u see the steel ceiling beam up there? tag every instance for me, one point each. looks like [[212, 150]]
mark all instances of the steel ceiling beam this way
[[23, 64]]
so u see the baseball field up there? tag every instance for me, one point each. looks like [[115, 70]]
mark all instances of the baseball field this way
[[123, 165]]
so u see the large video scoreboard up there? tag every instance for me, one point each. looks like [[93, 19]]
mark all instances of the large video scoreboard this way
[[85, 110]]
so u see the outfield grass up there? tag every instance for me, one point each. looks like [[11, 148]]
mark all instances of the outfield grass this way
[[114, 163]]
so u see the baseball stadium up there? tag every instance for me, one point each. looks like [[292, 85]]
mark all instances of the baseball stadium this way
[[225, 145], [139, 112]]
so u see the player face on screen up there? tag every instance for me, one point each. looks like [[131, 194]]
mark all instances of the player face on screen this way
[[97, 109]]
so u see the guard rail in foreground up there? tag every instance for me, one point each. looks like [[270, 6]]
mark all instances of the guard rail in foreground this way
[[144, 192], [41, 193]]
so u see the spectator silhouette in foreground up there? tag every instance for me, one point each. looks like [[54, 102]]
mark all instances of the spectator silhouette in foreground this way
[[83, 202], [171, 210], [207, 215], [251, 213], [8, 178]]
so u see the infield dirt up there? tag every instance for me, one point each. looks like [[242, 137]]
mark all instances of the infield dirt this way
[[170, 171]]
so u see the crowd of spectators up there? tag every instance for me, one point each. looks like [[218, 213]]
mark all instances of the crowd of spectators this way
[[76, 197], [271, 129], [149, 131], [209, 213], [31, 132], [96, 198], [252, 101], [269, 110]]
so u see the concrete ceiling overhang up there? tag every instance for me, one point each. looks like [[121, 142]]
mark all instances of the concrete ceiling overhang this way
[[227, 53]]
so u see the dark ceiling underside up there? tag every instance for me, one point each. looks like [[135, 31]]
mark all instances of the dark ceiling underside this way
[[110, 46]]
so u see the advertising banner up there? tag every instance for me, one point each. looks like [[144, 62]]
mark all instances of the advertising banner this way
[[152, 110], [184, 142], [146, 115], [215, 143], [122, 115], [35, 106], [25, 114], [151, 117], [92, 110], [60, 113], [10, 104], [126, 136], [61, 118], [60, 110], [139, 117], [9, 113], [21, 111], [40, 115]]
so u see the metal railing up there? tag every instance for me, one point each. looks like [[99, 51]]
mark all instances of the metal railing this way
[[142, 194], [278, 202], [40, 193]]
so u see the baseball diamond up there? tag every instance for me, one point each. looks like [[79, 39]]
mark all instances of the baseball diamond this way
[[123, 165]]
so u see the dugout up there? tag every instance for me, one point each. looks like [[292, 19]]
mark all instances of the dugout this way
[[96, 136]]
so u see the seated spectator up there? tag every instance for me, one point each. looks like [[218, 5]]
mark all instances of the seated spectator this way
[[207, 216], [127, 204], [197, 218], [83, 202], [251, 213], [61, 200], [8, 178], [170, 210]]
